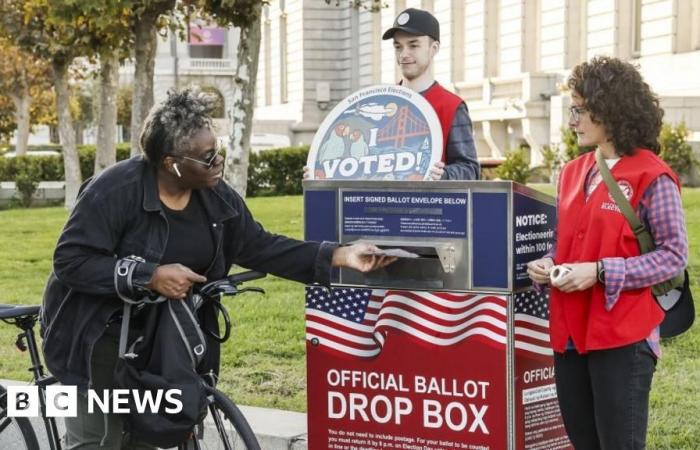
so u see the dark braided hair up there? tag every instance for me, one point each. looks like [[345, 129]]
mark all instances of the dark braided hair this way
[[171, 125], [617, 97]]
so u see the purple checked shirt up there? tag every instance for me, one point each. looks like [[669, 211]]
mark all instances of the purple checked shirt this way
[[661, 211]]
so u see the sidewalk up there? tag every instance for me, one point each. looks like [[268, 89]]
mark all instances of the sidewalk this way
[[276, 429]]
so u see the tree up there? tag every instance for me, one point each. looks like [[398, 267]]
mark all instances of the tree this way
[[146, 21], [22, 76], [244, 14], [82, 111], [370, 5], [31, 25], [107, 37], [7, 119], [124, 97]]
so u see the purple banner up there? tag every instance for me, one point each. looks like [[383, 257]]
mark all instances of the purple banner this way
[[207, 36]]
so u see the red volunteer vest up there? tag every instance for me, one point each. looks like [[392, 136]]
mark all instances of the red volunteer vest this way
[[445, 104], [592, 230]]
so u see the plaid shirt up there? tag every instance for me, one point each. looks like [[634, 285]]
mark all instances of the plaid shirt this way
[[661, 211]]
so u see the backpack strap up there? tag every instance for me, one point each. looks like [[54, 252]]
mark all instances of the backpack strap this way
[[124, 331]]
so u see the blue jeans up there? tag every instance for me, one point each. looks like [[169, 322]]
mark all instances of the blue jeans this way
[[604, 396]]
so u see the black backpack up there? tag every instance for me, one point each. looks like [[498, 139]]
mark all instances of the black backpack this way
[[163, 355]]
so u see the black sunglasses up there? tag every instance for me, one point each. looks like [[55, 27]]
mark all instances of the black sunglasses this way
[[208, 163]]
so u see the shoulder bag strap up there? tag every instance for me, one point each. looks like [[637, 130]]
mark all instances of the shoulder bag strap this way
[[646, 243]]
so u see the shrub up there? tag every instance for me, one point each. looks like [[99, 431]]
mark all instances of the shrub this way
[[277, 171], [551, 163], [87, 158], [676, 150], [516, 166], [27, 180], [50, 168], [34, 147], [489, 173]]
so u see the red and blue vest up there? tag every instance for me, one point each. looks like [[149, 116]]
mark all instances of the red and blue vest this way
[[588, 231]]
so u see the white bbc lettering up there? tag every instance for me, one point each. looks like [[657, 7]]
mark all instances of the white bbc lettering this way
[[61, 401], [22, 401]]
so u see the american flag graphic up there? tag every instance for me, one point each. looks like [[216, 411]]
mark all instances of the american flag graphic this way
[[356, 321], [532, 322]]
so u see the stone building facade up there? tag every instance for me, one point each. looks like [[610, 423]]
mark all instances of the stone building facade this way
[[508, 59]]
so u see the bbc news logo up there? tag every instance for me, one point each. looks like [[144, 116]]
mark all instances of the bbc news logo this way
[[62, 401]]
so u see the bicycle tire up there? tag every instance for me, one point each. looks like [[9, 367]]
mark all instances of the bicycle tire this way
[[16, 433], [232, 430]]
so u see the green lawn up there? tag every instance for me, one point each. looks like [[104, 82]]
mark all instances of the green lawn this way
[[263, 364]]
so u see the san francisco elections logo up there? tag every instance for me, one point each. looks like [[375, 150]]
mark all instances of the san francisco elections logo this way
[[377, 133], [626, 188]]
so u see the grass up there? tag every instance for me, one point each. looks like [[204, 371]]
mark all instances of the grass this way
[[264, 363]]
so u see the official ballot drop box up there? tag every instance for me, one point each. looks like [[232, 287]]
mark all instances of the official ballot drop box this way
[[446, 349]]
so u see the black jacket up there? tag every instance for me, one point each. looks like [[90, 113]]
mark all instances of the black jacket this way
[[119, 214]]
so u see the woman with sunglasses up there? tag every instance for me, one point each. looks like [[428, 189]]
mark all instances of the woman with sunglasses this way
[[604, 321], [158, 223]]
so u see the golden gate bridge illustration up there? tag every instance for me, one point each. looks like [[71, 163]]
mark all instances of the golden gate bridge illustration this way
[[402, 126]]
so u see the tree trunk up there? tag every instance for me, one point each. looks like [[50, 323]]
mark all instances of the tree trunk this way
[[53, 134], [145, 42], [106, 152], [236, 173], [79, 130], [71, 163], [22, 103]]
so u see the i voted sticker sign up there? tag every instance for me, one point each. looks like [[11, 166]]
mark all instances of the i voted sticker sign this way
[[378, 133]]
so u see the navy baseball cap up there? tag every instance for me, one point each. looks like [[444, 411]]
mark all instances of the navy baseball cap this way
[[415, 21]]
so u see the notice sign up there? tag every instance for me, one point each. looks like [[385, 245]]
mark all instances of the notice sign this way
[[424, 214], [533, 235], [377, 133]]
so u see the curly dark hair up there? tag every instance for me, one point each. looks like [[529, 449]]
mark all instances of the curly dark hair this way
[[617, 97], [170, 125]]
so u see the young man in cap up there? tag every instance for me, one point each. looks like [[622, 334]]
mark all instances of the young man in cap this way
[[416, 35]]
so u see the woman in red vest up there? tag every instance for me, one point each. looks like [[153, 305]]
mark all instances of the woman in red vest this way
[[603, 318]]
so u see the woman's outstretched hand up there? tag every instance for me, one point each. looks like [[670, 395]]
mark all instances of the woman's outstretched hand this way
[[361, 256], [174, 280]]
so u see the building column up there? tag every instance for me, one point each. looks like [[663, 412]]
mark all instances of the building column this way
[[536, 134], [496, 137]]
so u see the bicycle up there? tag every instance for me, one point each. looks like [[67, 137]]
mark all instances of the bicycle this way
[[232, 429]]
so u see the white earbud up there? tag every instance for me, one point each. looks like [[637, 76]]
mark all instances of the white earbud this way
[[177, 171]]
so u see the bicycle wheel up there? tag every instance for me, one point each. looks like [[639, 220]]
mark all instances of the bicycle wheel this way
[[224, 428], [16, 433]]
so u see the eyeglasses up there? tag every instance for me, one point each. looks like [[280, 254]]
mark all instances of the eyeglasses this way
[[576, 111], [209, 162]]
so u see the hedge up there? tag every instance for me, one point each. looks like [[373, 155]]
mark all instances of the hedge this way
[[276, 172], [270, 172], [50, 168]]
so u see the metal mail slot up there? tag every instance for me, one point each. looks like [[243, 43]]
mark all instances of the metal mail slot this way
[[439, 266], [471, 235]]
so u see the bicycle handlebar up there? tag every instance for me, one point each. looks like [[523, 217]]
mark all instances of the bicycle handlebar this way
[[223, 287], [242, 277]]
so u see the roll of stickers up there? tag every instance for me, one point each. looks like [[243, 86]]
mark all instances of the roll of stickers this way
[[558, 272]]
